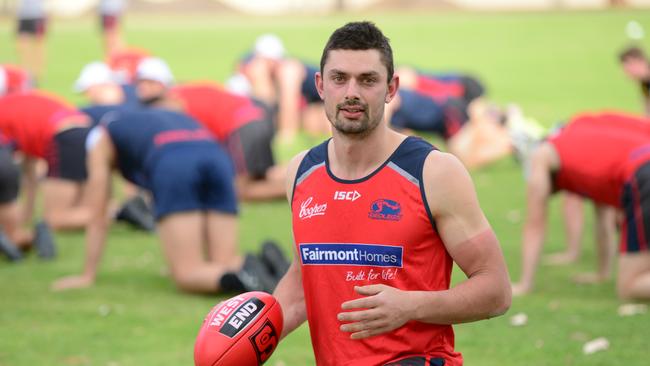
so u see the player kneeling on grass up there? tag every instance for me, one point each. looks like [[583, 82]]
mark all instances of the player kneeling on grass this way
[[604, 157], [191, 180], [378, 220]]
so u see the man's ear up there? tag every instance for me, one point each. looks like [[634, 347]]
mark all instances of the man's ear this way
[[318, 80], [393, 85]]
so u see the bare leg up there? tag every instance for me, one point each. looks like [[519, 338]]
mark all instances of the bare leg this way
[[271, 187], [11, 219], [290, 77], [480, 142], [65, 205], [183, 237], [634, 276], [222, 240]]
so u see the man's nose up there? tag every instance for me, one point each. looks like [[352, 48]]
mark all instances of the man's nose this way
[[353, 90]]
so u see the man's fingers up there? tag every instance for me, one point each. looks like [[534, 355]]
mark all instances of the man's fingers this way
[[362, 303], [355, 316], [370, 289]]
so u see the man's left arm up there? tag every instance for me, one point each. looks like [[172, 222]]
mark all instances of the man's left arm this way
[[472, 244]]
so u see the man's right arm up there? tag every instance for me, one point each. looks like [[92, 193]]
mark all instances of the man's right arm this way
[[289, 291], [99, 163]]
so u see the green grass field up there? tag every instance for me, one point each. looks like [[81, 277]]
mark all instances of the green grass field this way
[[552, 64]]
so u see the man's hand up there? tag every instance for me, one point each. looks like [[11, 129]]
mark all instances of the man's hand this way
[[384, 309], [72, 282]]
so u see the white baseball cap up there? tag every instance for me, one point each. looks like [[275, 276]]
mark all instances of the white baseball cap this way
[[156, 69], [3, 81], [270, 46], [95, 73]]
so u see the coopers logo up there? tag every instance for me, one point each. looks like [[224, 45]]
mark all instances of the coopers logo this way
[[351, 254], [385, 209], [307, 210]]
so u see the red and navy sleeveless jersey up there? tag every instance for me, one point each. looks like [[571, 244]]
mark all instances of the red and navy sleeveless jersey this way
[[219, 110], [598, 154], [374, 230], [32, 119], [141, 135]]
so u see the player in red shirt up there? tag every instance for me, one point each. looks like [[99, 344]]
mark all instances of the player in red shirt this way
[[13, 79], [605, 158], [378, 220], [43, 126], [125, 60], [241, 124]]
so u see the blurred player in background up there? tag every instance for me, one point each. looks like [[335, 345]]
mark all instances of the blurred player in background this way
[[379, 218], [284, 83], [98, 84], [605, 158], [30, 37], [241, 124], [110, 14], [636, 66], [14, 79], [191, 180]]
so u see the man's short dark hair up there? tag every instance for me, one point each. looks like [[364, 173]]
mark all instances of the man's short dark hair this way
[[631, 52], [360, 36]]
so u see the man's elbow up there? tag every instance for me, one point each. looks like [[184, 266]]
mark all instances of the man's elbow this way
[[502, 299]]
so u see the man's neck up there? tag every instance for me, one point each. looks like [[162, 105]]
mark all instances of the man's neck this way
[[354, 158]]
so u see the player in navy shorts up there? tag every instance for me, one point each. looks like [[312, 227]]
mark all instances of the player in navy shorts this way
[[191, 180]]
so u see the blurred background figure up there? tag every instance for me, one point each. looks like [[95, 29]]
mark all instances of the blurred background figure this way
[[110, 14], [243, 125], [30, 37], [124, 63], [14, 79], [636, 66], [287, 84]]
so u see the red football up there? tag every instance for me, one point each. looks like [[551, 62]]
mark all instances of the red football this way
[[243, 331]]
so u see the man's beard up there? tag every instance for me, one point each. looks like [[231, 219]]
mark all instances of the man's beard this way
[[357, 128]]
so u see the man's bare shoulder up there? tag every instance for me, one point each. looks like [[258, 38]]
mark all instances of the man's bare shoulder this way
[[446, 182]]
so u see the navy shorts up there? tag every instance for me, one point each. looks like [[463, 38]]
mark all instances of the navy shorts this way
[[250, 147], [36, 27], [636, 206], [66, 159], [193, 178], [9, 176]]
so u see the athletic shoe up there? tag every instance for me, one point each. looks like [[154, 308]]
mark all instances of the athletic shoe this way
[[137, 213], [253, 276], [44, 241], [274, 259], [9, 249]]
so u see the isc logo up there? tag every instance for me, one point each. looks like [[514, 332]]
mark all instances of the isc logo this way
[[346, 195]]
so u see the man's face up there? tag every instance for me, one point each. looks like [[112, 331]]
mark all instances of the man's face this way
[[354, 87], [636, 68], [149, 90]]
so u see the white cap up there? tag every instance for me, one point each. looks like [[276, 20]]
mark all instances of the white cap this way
[[3, 81], [153, 68], [238, 84], [95, 73], [270, 46]]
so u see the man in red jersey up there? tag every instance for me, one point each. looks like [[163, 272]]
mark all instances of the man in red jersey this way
[[606, 158], [241, 124], [379, 218], [42, 126]]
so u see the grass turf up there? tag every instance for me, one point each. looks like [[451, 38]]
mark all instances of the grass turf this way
[[554, 64]]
